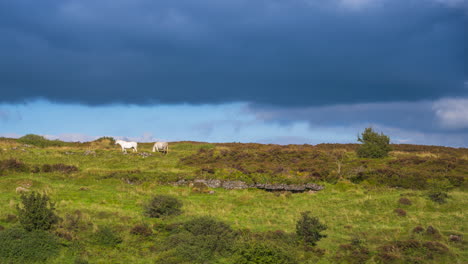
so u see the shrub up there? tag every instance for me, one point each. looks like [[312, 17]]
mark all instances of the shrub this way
[[308, 228], [63, 168], [142, 230], [400, 212], [405, 201], [432, 232], [373, 145], [418, 229], [262, 253], [105, 236], [413, 251], [13, 165], [353, 253], [20, 246], [73, 222], [40, 141], [163, 205], [36, 212], [201, 239], [438, 189], [438, 197]]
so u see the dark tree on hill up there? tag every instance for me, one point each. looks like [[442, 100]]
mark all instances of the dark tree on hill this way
[[308, 228], [36, 212], [374, 145]]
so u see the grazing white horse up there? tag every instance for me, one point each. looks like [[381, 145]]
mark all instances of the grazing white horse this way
[[161, 147], [127, 145]]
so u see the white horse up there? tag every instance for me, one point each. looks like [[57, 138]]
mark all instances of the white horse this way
[[161, 147], [127, 145]]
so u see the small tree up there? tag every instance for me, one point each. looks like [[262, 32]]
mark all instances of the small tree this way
[[308, 228], [162, 205], [36, 212], [373, 145]]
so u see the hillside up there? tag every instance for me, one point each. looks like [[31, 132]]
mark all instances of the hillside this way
[[375, 210]]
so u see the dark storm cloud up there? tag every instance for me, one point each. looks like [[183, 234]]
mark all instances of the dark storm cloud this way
[[268, 52]]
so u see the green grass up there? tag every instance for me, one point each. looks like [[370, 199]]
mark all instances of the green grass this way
[[99, 190]]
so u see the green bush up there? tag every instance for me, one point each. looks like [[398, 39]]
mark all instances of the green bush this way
[[308, 229], [142, 230], [36, 212], [40, 141], [373, 145], [162, 205], [438, 190], [20, 246], [438, 197], [13, 165], [105, 236], [263, 253], [200, 240]]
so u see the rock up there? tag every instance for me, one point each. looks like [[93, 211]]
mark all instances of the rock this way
[[289, 187], [20, 189], [233, 185], [314, 187], [455, 238], [145, 154], [90, 152], [181, 182], [236, 185], [212, 183]]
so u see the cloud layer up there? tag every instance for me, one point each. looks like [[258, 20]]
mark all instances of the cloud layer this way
[[273, 52], [440, 122]]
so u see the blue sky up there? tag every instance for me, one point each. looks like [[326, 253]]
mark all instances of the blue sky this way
[[274, 71]]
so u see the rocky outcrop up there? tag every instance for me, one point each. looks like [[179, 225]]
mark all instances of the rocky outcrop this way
[[236, 185], [289, 187]]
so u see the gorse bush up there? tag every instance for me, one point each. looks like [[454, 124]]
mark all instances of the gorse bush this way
[[37, 212], [105, 236], [373, 145], [20, 246], [40, 141], [162, 205], [262, 253], [308, 229], [200, 240]]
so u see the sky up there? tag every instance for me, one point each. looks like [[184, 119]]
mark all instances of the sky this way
[[267, 71]]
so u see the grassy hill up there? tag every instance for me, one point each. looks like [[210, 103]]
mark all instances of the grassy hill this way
[[376, 210]]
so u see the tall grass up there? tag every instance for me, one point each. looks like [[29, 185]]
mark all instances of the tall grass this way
[[110, 189]]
